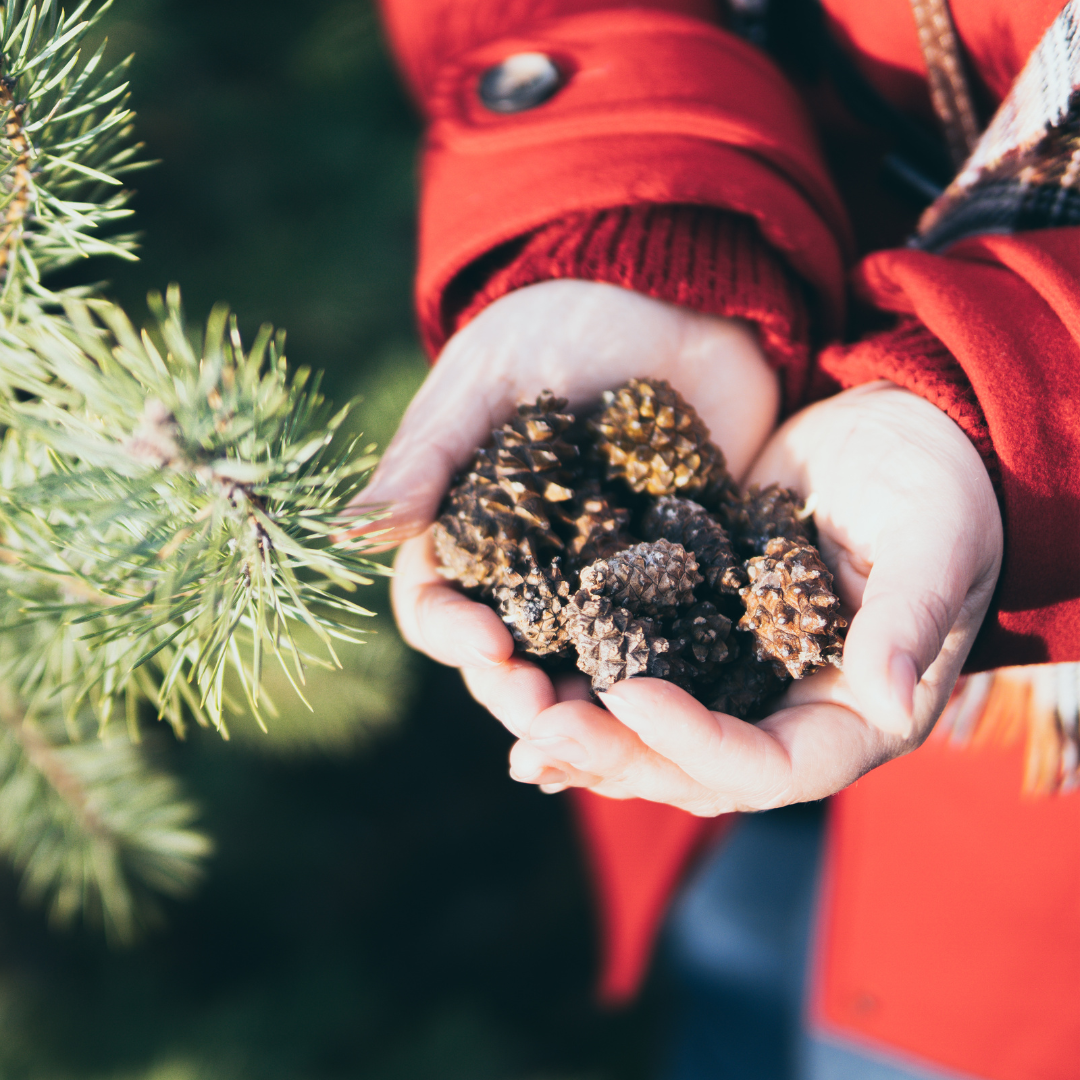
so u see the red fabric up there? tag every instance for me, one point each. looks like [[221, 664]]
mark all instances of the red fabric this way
[[638, 851], [690, 255], [910, 356], [942, 934], [1008, 309], [664, 108], [658, 108]]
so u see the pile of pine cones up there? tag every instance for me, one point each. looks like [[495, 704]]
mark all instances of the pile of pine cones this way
[[624, 544]]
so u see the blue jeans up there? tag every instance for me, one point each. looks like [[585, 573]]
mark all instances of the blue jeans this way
[[735, 948]]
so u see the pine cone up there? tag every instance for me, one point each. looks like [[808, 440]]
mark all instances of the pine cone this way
[[655, 442], [685, 522], [744, 685], [611, 644], [598, 529], [479, 537], [534, 606], [791, 609], [647, 579], [532, 465], [505, 498], [699, 637], [763, 514]]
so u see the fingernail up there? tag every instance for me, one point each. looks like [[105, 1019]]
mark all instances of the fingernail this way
[[544, 775], [622, 709], [562, 749], [479, 659], [554, 789]]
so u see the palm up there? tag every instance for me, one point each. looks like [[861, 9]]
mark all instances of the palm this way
[[576, 339], [907, 518]]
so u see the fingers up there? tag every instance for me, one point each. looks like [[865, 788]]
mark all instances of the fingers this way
[[660, 744], [450, 416], [744, 765], [515, 692], [436, 619], [593, 749], [924, 601]]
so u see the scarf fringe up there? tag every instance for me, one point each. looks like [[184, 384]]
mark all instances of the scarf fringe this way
[[1039, 703]]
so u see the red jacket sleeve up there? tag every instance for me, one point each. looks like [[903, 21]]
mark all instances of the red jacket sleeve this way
[[659, 106], [1007, 308]]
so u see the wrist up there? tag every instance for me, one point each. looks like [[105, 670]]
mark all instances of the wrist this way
[[580, 338]]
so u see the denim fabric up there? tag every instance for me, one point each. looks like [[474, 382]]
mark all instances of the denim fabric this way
[[735, 950]]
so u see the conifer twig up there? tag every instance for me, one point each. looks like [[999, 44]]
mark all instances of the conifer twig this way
[[169, 505]]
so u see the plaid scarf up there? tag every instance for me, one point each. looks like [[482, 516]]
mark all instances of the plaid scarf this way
[[1024, 172]]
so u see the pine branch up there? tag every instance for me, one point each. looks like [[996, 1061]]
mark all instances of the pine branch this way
[[170, 506], [91, 827], [68, 141], [182, 501]]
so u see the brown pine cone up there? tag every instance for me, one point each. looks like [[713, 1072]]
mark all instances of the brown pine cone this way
[[744, 685], [611, 644], [763, 514], [534, 606], [647, 579], [478, 536], [506, 497], [656, 443], [597, 529], [699, 637], [530, 450], [685, 522], [791, 609]]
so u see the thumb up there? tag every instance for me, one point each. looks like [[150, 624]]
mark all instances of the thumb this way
[[446, 421], [920, 612]]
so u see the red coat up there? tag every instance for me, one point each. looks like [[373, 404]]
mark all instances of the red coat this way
[[951, 925]]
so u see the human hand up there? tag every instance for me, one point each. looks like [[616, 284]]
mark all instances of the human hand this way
[[909, 523], [576, 339]]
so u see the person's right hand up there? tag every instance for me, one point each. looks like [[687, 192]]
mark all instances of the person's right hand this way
[[576, 339]]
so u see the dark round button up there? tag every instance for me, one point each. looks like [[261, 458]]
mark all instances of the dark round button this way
[[520, 82]]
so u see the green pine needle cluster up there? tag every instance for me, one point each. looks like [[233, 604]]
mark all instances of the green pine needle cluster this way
[[171, 508]]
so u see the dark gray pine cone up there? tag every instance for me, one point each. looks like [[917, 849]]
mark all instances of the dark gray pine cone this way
[[762, 514], [654, 441], [744, 685], [686, 522], [791, 609], [534, 605], [699, 638], [647, 579], [611, 643]]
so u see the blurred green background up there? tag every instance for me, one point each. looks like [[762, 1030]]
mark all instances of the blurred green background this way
[[384, 902]]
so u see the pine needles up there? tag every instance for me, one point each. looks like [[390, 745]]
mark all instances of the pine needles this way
[[169, 507]]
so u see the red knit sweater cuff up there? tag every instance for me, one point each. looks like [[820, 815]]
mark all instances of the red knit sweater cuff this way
[[912, 357], [698, 257]]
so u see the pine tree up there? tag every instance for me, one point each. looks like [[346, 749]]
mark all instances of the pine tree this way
[[170, 506]]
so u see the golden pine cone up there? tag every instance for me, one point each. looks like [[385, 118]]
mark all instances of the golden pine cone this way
[[656, 443], [791, 609]]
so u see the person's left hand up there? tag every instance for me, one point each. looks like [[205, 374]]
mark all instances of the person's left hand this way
[[909, 523]]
